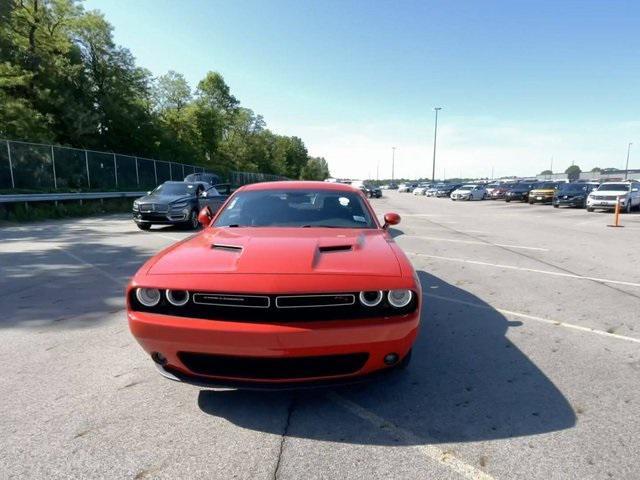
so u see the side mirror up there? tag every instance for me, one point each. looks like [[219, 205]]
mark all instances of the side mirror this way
[[391, 219], [205, 216]]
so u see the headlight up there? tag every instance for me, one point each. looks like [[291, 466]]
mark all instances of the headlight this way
[[179, 205], [399, 298], [177, 298], [371, 299], [149, 297], [136, 205]]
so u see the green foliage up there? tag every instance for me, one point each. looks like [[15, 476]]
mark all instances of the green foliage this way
[[546, 172], [18, 212], [64, 80], [573, 172], [315, 169]]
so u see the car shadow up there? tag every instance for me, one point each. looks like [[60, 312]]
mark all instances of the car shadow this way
[[467, 382]]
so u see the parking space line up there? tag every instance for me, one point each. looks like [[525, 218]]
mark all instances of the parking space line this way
[[432, 452], [476, 242], [535, 318], [102, 272], [524, 269]]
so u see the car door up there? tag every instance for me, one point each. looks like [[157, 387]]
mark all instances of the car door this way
[[213, 199]]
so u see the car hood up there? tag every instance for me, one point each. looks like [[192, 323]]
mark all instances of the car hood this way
[[611, 192], [163, 198], [281, 251], [461, 191]]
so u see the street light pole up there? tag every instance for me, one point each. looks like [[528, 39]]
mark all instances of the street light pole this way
[[435, 136], [393, 163], [626, 168]]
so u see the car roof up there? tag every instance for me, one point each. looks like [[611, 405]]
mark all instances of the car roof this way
[[298, 185]]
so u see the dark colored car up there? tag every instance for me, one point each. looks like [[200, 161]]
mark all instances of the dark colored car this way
[[573, 195], [444, 191], [175, 203], [210, 178], [372, 191], [519, 192]]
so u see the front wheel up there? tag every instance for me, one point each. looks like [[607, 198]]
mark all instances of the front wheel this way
[[193, 223], [589, 209], [507, 200], [144, 226], [556, 206]]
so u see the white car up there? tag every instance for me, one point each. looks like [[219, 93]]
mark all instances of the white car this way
[[420, 190], [405, 187], [607, 194], [469, 192]]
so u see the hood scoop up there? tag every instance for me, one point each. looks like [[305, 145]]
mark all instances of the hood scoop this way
[[335, 248], [226, 248]]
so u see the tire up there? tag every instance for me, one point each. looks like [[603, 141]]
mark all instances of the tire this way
[[507, 200], [556, 206], [192, 223], [531, 203], [589, 209], [627, 209], [144, 226]]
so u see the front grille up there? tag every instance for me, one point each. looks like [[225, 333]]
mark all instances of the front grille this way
[[605, 197], [153, 208], [273, 368], [273, 308]]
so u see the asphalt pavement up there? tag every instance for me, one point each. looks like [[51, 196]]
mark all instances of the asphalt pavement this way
[[527, 365]]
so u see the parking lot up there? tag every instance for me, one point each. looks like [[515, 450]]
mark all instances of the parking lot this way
[[527, 364]]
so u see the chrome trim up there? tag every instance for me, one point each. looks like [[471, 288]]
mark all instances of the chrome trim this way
[[353, 300], [194, 295], [168, 295], [374, 303], [403, 305]]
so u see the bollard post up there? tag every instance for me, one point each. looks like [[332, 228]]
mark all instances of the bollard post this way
[[616, 218]]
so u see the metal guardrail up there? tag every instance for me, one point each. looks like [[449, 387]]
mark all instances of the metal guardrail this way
[[54, 197]]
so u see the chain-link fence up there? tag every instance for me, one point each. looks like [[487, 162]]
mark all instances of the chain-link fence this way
[[38, 167], [243, 178]]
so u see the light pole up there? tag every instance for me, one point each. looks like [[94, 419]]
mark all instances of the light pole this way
[[435, 136], [626, 168], [393, 163]]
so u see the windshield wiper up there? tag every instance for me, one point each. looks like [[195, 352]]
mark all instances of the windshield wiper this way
[[321, 226]]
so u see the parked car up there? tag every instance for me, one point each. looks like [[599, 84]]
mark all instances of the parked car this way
[[210, 178], [445, 189], [406, 187], [175, 203], [432, 190], [543, 192], [572, 195], [500, 192], [519, 192], [367, 188], [421, 189], [491, 187], [222, 308], [607, 194], [469, 192]]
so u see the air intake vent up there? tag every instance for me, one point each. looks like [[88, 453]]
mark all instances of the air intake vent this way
[[335, 248], [228, 248]]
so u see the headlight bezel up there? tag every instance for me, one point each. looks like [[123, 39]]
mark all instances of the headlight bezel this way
[[140, 292], [400, 304]]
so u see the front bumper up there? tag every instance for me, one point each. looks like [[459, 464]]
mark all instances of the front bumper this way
[[170, 218], [457, 196], [540, 198], [172, 336], [569, 202], [605, 204]]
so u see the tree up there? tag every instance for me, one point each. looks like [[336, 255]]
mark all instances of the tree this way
[[596, 170], [315, 169], [171, 91], [573, 172], [546, 172]]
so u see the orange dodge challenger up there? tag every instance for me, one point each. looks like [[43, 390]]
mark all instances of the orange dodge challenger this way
[[291, 284]]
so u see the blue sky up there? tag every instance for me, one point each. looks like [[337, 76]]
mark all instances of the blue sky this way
[[519, 81]]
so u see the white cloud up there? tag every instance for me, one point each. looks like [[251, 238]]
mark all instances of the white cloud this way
[[468, 146]]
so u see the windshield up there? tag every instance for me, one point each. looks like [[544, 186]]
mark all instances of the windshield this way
[[613, 186], [572, 188], [296, 208], [175, 189]]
